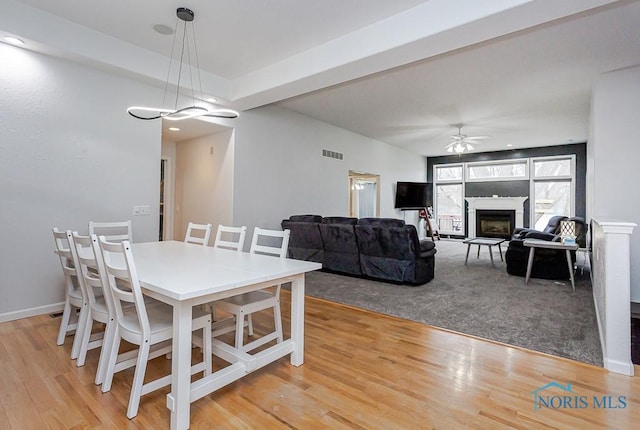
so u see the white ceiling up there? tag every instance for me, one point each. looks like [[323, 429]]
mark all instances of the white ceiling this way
[[403, 72]]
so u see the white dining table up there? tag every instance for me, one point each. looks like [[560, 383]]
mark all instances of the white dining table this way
[[185, 275]]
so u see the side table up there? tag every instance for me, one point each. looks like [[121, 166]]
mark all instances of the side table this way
[[537, 243]]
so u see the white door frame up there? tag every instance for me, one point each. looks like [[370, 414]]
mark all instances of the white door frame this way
[[169, 188]]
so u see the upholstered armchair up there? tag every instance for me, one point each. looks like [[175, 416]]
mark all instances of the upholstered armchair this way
[[390, 250], [552, 228], [547, 263]]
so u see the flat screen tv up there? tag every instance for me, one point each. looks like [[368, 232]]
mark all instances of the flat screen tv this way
[[413, 195]]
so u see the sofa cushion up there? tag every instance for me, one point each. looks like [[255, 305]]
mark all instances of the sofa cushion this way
[[340, 246], [305, 242], [384, 222], [305, 218], [339, 220]]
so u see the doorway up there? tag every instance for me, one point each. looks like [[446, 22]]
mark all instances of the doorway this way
[[165, 213], [364, 195], [196, 177]]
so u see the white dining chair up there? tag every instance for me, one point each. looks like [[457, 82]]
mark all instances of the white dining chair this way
[[230, 237], [74, 299], [255, 301], [101, 307], [149, 327], [198, 234], [116, 231]]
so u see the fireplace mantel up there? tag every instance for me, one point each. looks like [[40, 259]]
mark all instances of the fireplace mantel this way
[[494, 203]]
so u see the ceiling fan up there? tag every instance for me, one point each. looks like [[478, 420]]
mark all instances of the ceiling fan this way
[[461, 142]]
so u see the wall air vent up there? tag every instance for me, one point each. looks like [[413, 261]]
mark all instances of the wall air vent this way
[[332, 154]]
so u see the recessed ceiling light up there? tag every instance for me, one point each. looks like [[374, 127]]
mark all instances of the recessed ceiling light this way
[[509, 145], [13, 40], [174, 129], [211, 99], [163, 29]]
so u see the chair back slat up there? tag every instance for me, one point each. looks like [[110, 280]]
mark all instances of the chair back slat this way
[[236, 236], [203, 232], [117, 231], [274, 242]]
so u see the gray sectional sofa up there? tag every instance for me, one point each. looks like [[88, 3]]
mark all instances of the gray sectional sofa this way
[[378, 248]]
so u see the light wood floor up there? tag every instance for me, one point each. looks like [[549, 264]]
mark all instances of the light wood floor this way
[[362, 371]]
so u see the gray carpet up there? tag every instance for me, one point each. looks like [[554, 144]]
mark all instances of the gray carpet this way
[[482, 300]]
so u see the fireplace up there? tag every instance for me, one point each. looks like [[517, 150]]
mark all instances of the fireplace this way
[[495, 223], [515, 204]]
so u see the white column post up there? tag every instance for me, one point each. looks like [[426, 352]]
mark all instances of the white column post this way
[[612, 292]]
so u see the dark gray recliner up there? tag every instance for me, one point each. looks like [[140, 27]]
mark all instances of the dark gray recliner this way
[[547, 263], [340, 247], [390, 250], [552, 228], [305, 241]]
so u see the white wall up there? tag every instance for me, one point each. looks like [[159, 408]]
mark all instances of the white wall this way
[[69, 153], [612, 157], [280, 170], [204, 182]]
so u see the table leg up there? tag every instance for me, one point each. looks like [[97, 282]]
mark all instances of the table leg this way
[[297, 320], [500, 249], [573, 284], [529, 264], [491, 254], [179, 399], [467, 258], [478, 256]]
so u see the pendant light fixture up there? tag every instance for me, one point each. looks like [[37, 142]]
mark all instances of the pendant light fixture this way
[[185, 66]]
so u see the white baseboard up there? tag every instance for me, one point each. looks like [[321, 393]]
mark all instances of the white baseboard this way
[[31, 312], [625, 368]]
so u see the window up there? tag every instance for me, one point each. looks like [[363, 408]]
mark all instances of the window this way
[[497, 170], [550, 199], [552, 189], [552, 168], [449, 198], [551, 183], [449, 173], [450, 206]]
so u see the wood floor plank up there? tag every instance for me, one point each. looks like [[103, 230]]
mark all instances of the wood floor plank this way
[[362, 371]]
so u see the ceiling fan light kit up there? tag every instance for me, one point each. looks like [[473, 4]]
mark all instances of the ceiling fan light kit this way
[[461, 142], [185, 16]]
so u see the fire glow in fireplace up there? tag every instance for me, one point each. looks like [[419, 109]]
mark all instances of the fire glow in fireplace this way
[[495, 223]]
